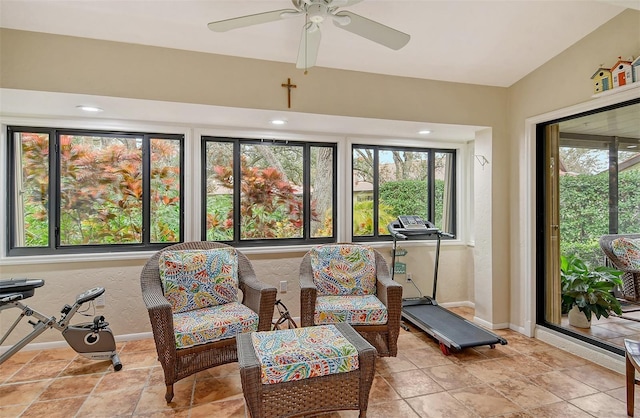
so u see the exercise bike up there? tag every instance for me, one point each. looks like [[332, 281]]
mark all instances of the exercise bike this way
[[93, 340]]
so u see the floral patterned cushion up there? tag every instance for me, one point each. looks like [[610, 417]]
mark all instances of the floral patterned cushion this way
[[302, 353], [628, 252], [355, 310], [195, 279], [213, 323], [344, 269]]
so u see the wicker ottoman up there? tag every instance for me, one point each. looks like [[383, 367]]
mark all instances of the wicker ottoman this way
[[332, 392]]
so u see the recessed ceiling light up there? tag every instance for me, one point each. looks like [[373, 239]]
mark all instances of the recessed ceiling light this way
[[424, 132], [87, 108], [278, 122]]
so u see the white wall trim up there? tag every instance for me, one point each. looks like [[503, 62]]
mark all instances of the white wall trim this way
[[582, 349]]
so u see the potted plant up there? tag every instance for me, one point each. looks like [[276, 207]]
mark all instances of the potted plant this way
[[588, 291]]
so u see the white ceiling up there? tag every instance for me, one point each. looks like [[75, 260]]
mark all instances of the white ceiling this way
[[484, 42]]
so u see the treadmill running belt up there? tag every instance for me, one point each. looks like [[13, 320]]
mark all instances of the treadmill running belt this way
[[449, 325]]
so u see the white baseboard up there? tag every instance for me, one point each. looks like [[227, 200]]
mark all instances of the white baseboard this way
[[62, 344]]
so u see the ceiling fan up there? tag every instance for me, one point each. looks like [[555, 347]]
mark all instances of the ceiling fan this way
[[315, 12]]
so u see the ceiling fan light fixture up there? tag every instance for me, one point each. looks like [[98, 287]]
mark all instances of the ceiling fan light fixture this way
[[317, 12]]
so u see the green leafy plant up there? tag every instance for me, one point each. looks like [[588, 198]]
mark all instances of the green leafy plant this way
[[591, 290]]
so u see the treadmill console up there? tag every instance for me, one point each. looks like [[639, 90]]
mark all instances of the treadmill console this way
[[412, 222], [411, 225]]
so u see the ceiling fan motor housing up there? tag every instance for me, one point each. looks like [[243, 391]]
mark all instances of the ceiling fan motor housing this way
[[317, 12]]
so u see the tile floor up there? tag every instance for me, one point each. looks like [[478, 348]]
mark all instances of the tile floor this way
[[526, 378]]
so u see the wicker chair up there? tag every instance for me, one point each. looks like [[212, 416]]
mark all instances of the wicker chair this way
[[180, 363], [630, 278], [383, 337]]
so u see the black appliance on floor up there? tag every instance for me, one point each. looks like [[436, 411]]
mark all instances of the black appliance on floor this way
[[451, 330]]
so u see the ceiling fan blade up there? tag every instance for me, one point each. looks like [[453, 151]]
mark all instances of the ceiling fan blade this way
[[309, 46], [374, 31], [250, 20]]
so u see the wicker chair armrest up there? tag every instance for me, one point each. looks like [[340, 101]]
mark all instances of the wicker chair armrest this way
[[308, 293], [260, 297], [161, 317], [387, 290]]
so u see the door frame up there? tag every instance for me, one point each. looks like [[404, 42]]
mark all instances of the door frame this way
[[527, 253]]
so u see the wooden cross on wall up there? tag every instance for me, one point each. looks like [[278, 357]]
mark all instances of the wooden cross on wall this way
[[289, 86]]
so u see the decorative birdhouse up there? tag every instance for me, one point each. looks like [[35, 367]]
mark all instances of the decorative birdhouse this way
[[621, 73], [601, 80], [635, 66]]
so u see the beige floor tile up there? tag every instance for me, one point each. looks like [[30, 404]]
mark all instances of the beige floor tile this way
[[395, 409], [111, 404], [491, 370], [412, 383], [484, 400], [440, 405], [217, 389], [152, 398], [138, 359], [125, 378], [65, 387], [525, 393], [596, 376], [229, 408], [562, 385], [452, 376], [388, 365], [219, 371], [65, 353], [139, 345], [55, 408], [12, 411], [525, 365], [621, 395], [22, 357], [559, 410], [7, 370], [424, 358], [381, 391], [22, 393], [81, 365], [601, 405], [558, 359], [38, 371]]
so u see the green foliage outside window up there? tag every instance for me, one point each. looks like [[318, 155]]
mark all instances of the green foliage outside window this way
[[584, 212]]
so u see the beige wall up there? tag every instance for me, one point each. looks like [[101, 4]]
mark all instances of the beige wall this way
[[561, 82], [34, 61]]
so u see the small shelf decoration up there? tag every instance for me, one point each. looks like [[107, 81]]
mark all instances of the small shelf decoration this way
[[601, 80], [623, 73]]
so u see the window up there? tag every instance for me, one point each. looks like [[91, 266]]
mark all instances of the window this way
[[393, 181], [268, 192], [80, 191]]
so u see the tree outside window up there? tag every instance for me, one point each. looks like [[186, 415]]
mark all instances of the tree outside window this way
[[104, 192], [268, 192], [392, 181]]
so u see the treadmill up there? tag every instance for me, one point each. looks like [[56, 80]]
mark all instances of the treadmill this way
[[452, 331]]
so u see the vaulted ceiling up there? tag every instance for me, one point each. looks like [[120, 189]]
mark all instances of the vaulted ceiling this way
[[484, 42]]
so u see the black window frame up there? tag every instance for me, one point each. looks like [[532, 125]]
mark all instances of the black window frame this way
[[237, 178], [376, 236], [53, 212]]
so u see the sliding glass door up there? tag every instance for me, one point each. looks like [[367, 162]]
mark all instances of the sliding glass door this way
[[589, 186]]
